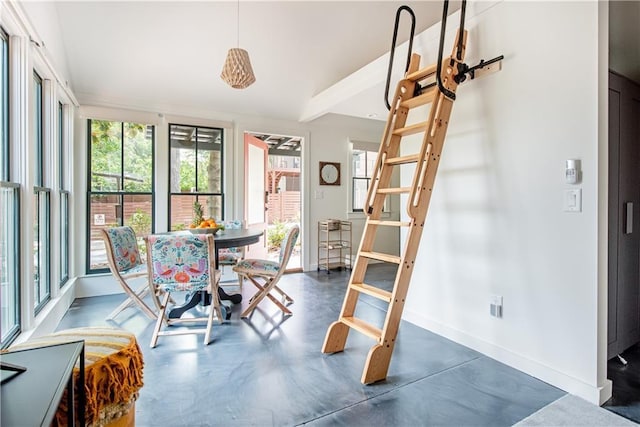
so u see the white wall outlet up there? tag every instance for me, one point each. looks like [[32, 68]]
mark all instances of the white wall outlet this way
[[495, 306], [319, 194]]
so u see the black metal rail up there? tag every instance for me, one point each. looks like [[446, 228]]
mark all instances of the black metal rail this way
[[463, 69], [393, 48]]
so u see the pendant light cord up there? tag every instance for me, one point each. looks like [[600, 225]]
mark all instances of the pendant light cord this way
[[238, 26]]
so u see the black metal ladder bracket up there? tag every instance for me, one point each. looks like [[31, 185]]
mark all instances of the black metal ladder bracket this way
[[481, 68]]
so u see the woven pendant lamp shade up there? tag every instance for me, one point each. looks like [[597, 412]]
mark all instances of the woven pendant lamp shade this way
[[237, 71]]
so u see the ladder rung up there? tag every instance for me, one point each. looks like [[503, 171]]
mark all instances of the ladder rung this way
[[372, 290], [389, 223], [411, 130], [413, 158], [394, 190], [362, 326], [419, 100], [421, 74], [381, 257]]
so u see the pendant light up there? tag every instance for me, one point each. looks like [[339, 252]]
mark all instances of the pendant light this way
[[237, 71]]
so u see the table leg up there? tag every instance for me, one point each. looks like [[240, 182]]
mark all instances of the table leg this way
[[194, 299], [203, 296]]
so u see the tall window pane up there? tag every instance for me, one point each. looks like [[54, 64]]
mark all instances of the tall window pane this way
[[121, 183], [9, 216], [362, 165], [42, 203], [63, 197], [4, 98], [38, 127], [41, 246], [64, 237], [9, 262], [196, 159]]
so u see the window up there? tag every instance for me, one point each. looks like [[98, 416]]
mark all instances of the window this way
[[120, 183], [363, 162], [9, 216], [63, 193], [196, 160], [41, 203]]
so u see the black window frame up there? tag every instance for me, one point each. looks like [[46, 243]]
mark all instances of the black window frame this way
[[196, 193], [120, 193]]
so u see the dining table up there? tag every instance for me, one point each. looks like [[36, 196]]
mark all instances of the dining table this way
[[231, 238]]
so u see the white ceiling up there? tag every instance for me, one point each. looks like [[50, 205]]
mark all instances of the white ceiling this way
[[167, 55]]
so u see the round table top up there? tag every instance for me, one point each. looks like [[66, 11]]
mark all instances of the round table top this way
[[237, 237], [232, 237]]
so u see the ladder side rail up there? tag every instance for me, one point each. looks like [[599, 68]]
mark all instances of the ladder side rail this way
[[428, 155], [396, 118], [379, 357]]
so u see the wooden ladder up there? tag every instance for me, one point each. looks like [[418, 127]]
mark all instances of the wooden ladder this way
[[440, 97]]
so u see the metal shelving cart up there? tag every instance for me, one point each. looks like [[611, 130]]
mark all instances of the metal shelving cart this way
[[334, 245]]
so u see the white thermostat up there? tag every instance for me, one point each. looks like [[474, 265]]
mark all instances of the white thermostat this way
[[571, 171]]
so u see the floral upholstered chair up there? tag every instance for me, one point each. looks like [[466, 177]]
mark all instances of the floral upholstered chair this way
[[183, 262], [231, 256], [265, 274], [126, 264]]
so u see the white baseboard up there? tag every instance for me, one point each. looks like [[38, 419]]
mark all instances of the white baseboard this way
[[100, 284], [590, 393]]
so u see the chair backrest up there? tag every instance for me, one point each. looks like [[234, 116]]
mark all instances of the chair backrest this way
[[233, 224], [122, 247], [180, 261], [287, 245]]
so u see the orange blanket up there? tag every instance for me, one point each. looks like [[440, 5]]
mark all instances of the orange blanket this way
[[113, 371]]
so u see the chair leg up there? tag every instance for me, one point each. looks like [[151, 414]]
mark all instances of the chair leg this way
[[255, 299], [240, 281], [134, 301], [284, 309], [265, 291], [285, 297], [161, 318], [136, 297], [125, 304], [215, 308]]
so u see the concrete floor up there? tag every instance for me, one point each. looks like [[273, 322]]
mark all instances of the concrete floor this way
[[268, 370]]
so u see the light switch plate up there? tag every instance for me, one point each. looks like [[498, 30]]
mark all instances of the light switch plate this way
[[572, 200]]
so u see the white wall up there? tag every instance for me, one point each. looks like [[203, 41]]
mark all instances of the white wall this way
[[43, 16], [496, 224]]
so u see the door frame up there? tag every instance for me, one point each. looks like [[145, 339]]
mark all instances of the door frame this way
[[304, 178]]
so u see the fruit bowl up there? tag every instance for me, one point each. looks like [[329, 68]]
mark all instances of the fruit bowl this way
[[208, 230]]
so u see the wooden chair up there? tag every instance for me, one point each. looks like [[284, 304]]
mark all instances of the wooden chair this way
[[265, 274], [183, 262], [126, 264]]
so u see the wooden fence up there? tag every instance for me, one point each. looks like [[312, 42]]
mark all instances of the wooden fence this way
[[284, 206]]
